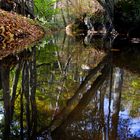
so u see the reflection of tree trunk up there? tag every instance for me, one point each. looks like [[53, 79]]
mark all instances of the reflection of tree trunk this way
[[14, 87], [88, 77], [109, 105], [64, 40], [116, 105], [25, 88], [6, 95], [67, 10], [87, 97], [33, 91], [115, 120], [102, 119], [8, 6], [23, 7], [63, 17], [21, 115], [109, 8], [100, 132], [77, 96]]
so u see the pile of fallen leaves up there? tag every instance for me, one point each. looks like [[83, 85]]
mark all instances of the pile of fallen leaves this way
[[17, 33]]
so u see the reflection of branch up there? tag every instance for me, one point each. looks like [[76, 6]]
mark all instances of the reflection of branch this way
[[26, 9], [14, 87], [109, 106], [67, 64], [109, 8], [21, 115], [116, 106], [77, 96], [63, 17], [43, 64], [88, 77], [59, 63], [87, 97], [33, 81], [25, 90]]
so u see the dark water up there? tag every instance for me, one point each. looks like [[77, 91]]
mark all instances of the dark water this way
[[71, 88]]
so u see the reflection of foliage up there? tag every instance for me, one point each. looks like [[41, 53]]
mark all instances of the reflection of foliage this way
[[48, 55], [135, 97], [60, 73], [136, 84], [131, 94]]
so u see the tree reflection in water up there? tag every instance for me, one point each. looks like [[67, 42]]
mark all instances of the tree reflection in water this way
[[59, 93], [21, 90]]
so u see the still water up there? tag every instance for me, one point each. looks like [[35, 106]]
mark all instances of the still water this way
[[71, 88]]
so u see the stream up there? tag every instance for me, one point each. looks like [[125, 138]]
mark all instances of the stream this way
[[71, 88]]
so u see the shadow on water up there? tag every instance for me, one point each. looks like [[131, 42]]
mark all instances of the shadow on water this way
[[71, 89]]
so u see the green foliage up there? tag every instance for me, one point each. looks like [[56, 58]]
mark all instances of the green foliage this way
[[136, 84], [44, 9], [130, 10]]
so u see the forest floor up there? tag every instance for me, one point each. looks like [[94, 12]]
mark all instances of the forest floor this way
[[17, 32]]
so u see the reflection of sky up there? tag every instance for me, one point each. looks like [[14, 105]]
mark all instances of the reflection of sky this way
[[106, 106], [1, 117], [1, 112], [136, 126], [134, 123]]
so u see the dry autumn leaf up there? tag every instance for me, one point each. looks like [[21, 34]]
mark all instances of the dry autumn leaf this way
[[17, 33]]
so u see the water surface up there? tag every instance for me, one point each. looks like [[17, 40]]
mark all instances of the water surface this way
[[71, 88]]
